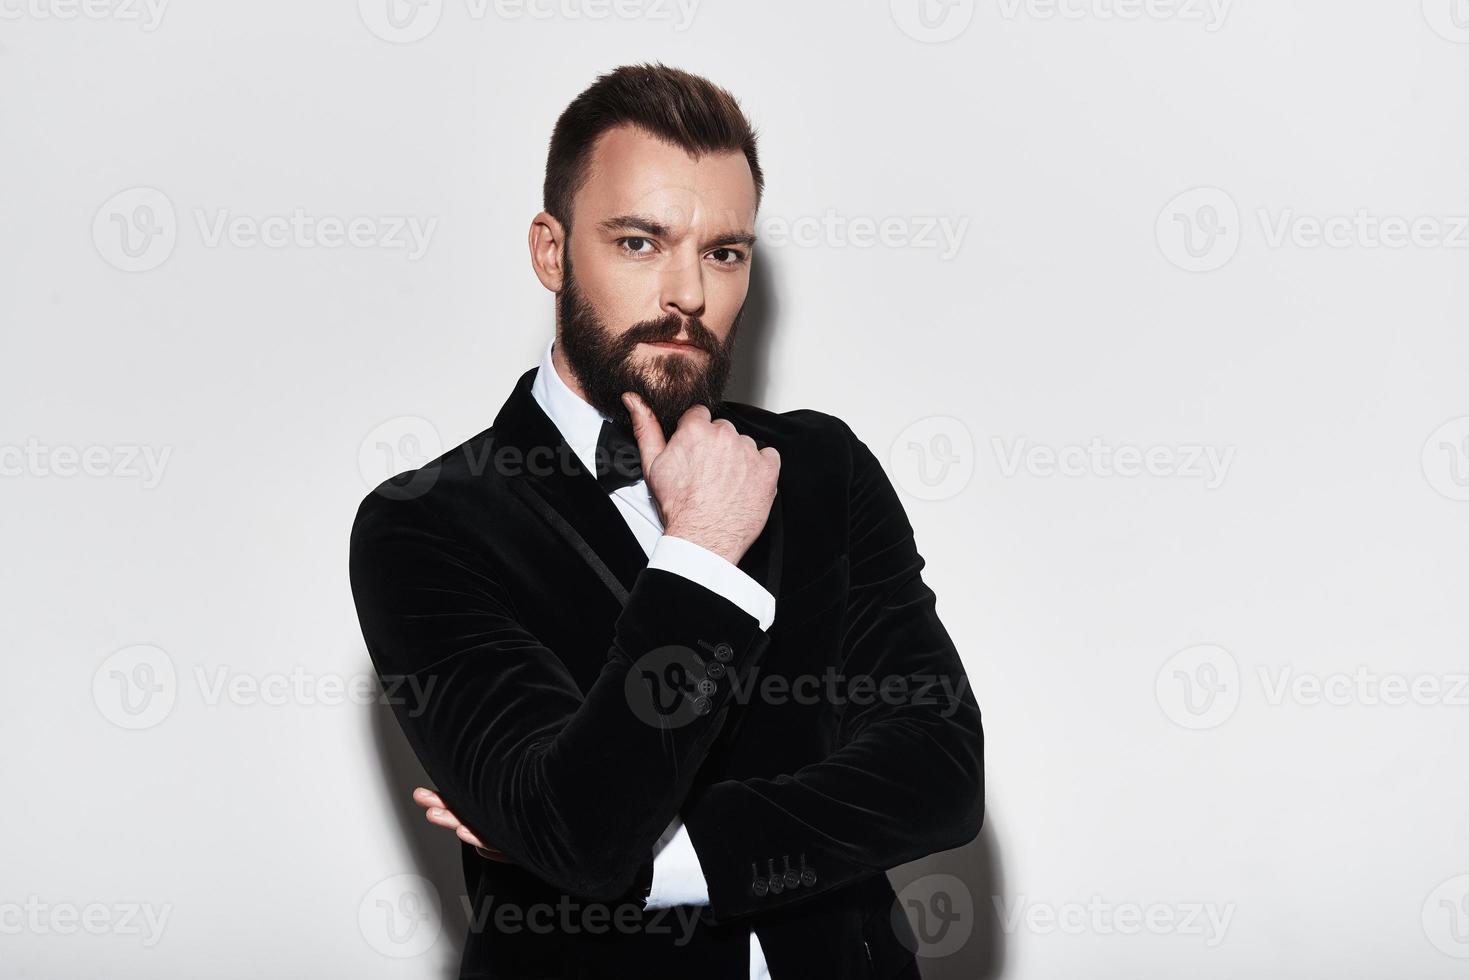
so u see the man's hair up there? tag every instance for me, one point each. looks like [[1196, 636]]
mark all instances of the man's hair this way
[[675, 106]]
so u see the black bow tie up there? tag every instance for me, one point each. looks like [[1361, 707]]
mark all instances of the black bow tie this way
[[618, 461]]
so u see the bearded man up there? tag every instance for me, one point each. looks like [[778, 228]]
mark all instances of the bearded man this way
[[685, 696]]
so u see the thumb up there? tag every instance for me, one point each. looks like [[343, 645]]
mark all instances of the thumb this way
[[645, 429]]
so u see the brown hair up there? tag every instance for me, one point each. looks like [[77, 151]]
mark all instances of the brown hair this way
[[684, 109]]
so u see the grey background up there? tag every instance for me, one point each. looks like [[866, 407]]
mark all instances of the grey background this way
[[1187, 674]]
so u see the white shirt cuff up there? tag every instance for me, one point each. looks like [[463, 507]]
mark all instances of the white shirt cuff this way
[[678, 878], [715, 573]]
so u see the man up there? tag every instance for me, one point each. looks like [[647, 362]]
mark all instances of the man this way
[[685, 693]]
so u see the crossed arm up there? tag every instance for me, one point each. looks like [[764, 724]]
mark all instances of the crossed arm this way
[[570, 788]]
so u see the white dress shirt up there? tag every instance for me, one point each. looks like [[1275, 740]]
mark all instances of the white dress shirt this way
[[677, 877]]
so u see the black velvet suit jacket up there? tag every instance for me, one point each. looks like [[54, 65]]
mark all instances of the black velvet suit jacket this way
[[575, 701]]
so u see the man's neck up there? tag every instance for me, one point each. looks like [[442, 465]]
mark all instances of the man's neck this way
[[563, 369]]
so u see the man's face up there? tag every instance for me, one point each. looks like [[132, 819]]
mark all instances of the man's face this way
[[661, 251]]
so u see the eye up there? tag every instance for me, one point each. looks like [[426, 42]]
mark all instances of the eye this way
[[736, 257], [624, 244]]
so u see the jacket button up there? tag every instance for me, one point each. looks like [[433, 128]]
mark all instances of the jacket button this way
[[792, 878], [702, 705], [706, 686], [715, 670], [808, 877], [759, 887], [724, 653]]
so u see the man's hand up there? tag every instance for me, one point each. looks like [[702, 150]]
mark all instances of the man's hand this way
[[441, 815], [710, 481]]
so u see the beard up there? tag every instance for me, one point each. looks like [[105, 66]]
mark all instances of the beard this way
[[669, 384]]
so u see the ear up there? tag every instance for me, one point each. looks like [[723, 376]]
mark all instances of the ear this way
[[547, 240]]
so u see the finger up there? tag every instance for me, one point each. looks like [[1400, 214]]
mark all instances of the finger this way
[[467, 835], [645, 429], [426, 798], [443, 818]]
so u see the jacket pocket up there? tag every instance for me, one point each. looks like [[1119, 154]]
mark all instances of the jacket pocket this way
[[890, 954]]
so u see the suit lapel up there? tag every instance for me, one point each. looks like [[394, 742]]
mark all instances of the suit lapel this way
[[545, 472]]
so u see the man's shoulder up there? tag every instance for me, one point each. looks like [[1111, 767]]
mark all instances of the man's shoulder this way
[[806, 429], [437, 486]]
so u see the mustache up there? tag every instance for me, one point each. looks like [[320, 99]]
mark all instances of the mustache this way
[[666, 328]]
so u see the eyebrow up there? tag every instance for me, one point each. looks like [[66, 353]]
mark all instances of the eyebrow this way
[[657, 229]]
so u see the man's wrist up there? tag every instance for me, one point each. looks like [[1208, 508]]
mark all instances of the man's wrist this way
[[723, 545]]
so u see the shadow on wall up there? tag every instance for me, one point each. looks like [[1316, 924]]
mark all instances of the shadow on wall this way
[[946, 897], [436, 851]]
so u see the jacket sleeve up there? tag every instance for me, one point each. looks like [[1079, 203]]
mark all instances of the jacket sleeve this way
[[907, 776], [576, 789]]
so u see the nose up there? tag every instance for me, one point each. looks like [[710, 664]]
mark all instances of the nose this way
[[682, 287]]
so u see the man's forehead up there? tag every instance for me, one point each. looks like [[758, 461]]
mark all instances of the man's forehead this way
[[633, 172]]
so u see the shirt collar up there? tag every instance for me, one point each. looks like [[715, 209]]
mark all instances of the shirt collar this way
[[579, 422]]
